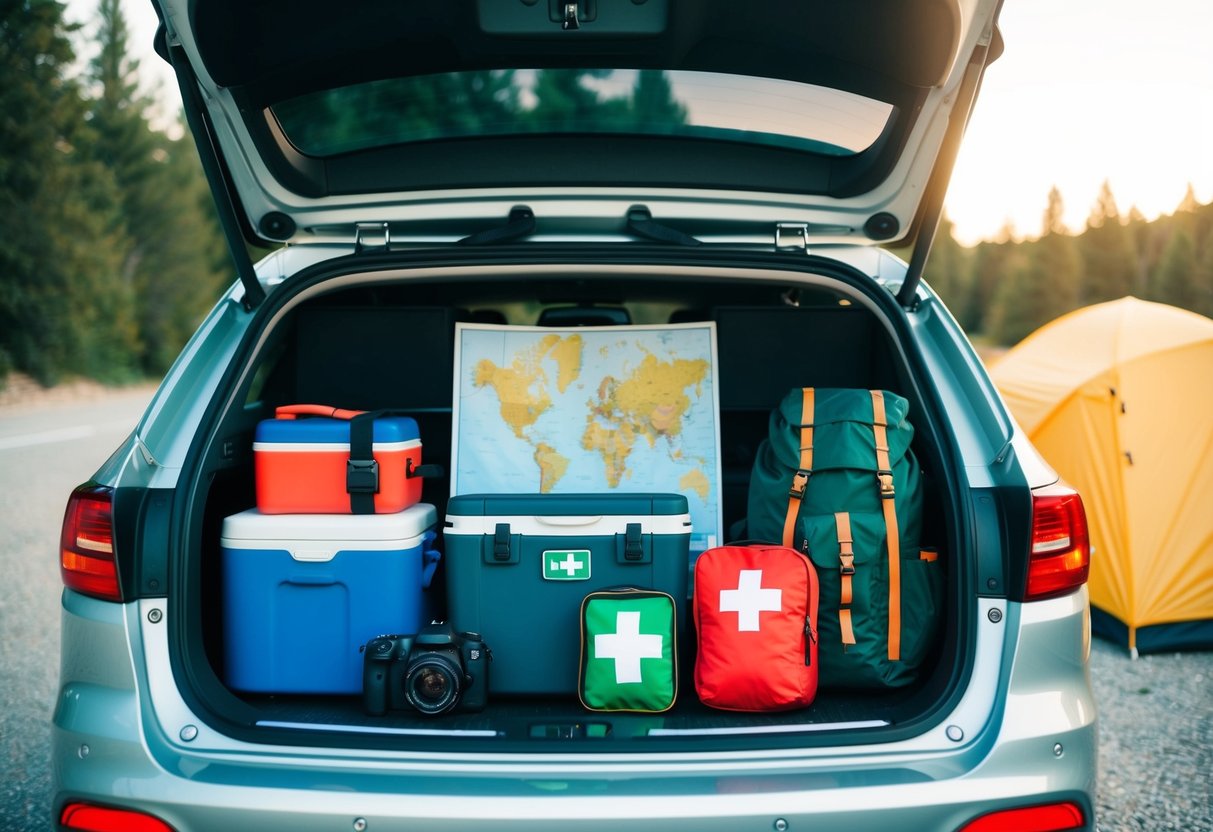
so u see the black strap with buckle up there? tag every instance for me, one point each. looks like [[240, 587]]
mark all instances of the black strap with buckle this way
[[362, 470]]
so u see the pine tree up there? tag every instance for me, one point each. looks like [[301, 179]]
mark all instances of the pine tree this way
[[1177, 280], [1053, 221], [654, 107], [166, 270], [1109, 260], [1043, 283], [948, 269], [59, 308], [1043, 286], [1204, 276], [991, 265]]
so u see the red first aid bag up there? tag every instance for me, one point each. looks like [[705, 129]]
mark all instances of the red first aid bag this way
[[755, 612]]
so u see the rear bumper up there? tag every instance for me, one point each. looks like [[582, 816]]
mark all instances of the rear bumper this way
[[1038, 745]]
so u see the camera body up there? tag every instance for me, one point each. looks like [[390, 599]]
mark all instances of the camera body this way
[[434, 671]]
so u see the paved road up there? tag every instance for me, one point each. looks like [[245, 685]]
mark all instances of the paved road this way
[[1156, 749], [45, 452]]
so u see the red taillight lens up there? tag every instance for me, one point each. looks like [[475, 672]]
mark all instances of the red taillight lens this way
[[104, 819], [1054, 817], [1061, 554], [86, 558]]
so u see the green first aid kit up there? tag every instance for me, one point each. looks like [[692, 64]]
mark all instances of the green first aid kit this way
[[519, 565], [629, 651]]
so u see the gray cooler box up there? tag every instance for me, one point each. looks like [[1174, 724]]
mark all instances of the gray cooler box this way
[[518, 566]]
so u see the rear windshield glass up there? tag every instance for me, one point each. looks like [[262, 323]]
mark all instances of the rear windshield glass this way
[[518, 101]]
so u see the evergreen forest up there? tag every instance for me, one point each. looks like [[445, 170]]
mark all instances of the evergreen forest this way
[[110, 252]]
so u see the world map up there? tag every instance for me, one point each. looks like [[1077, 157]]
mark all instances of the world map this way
[[588, 410]]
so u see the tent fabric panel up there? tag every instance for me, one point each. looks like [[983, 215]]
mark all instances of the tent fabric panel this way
[[1157, 638], [1166, 435], [1092, 339], [1077, 442], [1180, 635]]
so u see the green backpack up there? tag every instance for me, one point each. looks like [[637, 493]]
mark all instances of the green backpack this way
[[836, 479]]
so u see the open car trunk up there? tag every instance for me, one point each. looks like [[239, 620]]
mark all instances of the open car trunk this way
[[376, 331]]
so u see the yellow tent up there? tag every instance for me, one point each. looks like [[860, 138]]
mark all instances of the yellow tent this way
[[1118, 397]]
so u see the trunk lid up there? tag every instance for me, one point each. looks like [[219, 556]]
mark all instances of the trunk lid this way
[[434, 120]]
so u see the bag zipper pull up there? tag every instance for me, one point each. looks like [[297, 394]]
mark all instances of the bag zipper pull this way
[[810, 637]]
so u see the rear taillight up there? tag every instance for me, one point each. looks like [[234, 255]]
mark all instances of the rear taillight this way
[[84, 816], [1061, 554], [86, 550], [1052, 817]]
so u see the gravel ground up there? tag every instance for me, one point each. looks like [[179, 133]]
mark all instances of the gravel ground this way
[[1155, 740]]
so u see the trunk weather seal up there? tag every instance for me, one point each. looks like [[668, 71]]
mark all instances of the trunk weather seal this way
[[218, 707]]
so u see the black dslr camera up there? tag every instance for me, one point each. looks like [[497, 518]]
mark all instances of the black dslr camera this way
[[435, 671]]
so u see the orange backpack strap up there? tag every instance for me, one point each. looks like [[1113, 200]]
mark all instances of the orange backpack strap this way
[[884, 477], [800, 479], [846, 568]]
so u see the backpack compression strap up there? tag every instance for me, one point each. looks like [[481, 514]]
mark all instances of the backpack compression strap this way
[[846, 568], [884, 477], [801, 478]]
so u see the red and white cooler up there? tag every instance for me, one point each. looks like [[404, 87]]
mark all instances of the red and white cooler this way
[[336, 462]]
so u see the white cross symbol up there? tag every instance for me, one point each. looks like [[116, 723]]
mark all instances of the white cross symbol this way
[[749, 599], [570, 565], [627, 647]]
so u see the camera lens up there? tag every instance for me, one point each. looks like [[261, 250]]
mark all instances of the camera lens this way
[[433, 683]]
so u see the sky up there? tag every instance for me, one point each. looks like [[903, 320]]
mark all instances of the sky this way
[[1087, 91]]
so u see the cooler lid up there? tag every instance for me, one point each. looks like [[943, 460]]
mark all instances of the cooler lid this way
[[282, 529], [639, 504], [321, 430]]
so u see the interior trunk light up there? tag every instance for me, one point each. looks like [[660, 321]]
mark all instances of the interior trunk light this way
[[1052, 817], [1061, 555], [87, 544], [89, 818]]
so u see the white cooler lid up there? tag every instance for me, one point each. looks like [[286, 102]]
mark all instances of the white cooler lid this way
[[254, 530]]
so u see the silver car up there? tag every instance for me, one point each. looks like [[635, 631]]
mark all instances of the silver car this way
[[424, 167]]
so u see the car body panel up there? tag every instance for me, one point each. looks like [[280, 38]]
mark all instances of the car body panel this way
[[1036, 736]]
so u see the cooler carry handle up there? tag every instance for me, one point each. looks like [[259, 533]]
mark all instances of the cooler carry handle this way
[[291, 411]]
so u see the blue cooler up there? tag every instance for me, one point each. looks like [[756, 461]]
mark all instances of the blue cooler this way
[[518, 567], [303, 592]]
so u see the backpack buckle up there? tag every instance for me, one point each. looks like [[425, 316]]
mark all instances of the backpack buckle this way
[[799, 481], [848, 565], [885, 478]]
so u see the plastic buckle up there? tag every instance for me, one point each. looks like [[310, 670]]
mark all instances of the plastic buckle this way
[[885, 478], [362, 476], [501, 542], [848, 565], [633, 549], [800, 481]]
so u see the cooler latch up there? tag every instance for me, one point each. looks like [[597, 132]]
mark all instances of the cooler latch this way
[[362, 476], [501, 542], [633, 547]]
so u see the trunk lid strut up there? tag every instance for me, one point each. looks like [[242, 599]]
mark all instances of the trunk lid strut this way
[[234, 221]]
